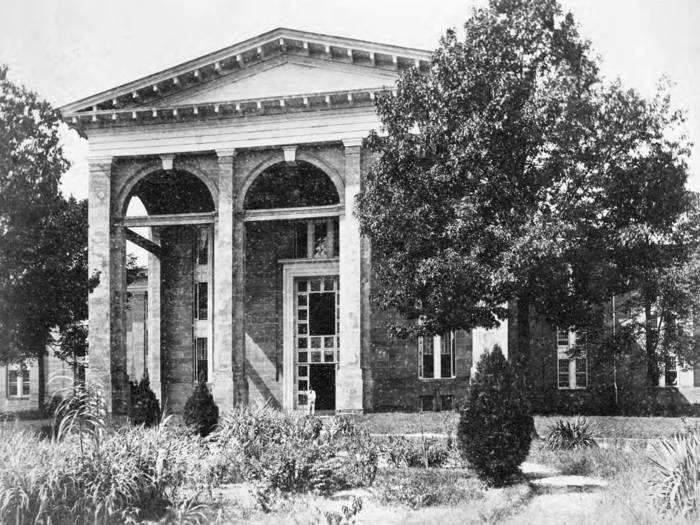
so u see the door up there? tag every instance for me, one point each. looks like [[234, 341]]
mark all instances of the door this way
[[322, 381], [316, 339]]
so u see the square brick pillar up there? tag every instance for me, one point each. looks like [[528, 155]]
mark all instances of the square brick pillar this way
[[154, 368], [106, 256], [222, 382], [349, 379]]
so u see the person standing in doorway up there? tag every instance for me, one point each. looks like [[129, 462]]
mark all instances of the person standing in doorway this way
[[312, 401]]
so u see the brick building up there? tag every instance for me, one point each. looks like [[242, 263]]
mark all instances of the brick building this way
[[247, 162]]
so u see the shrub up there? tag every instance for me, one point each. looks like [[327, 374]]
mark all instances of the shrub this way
[[495, 428], [145, 409], [676, 485], [201, 412], [402, 452], [563, 435]]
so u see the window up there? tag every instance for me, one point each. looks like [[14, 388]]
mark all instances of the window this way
[[671, 371], [202, 301], [17, 381], [201, 359], [447, 402], [426, 403], [202, 248], [437, 356], [317, 239], [572, 372]]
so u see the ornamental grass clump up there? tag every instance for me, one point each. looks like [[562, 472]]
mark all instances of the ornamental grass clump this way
[[676, 480], [92, 473], [495, 427], [563, 435]]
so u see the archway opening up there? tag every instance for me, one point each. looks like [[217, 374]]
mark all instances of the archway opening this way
[[173, 191], [291, 186]]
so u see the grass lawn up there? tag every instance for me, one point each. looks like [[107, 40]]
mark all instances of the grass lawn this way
[[603, 426]]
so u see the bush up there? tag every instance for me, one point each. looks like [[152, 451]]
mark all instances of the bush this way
[[145, 409], [495, 428], [563, 435], [426, 453], [201, 412], [676, 464], [418, 488]]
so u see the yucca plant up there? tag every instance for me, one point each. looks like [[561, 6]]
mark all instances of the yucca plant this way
[[676, 484], [563, 435]]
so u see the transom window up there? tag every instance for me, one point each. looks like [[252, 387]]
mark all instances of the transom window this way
[[317, 327], [437, 356], [316, 239], [17, 381], [572, 372]]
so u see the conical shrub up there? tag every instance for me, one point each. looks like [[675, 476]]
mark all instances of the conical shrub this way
[[495, 427], [201, 412], [145, 409]]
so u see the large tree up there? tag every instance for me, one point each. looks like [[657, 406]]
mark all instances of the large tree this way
[[43, 236], [509, 172]]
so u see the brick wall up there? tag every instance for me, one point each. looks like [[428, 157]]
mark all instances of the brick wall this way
[[266, 243]]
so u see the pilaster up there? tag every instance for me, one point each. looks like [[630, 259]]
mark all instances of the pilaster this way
[[223, 386], [349, 386], [154, 366], [106, 257]]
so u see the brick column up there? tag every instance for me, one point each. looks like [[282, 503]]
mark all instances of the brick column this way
[[223, 389], [240, 379], [349, 378], [106, 256], [154, 370]]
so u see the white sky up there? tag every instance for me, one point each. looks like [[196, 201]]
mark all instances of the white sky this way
[[69, 49]]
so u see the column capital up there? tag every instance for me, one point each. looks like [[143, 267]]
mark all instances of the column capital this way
[[352, 143], [167, 161], [226, 152], [99, 159]]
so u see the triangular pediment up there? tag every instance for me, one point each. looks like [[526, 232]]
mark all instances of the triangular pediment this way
[[283, 79], [280, 63]]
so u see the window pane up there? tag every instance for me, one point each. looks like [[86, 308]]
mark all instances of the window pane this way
[[562, 337], [202, 301], [320, 240], [446, 402], [322, 313], [563, 373], [428, 366], [12, 383], [201, 359], [426, 403], [446, 365], [300, 245], [203, 246], [336, 237]]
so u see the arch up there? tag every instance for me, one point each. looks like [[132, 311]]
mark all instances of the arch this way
[[124, 194], [318, 163]]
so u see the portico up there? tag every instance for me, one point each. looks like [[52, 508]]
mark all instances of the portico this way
[[248, 162]]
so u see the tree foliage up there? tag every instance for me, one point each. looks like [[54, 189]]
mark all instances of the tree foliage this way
[[43, 236], [510, 172]]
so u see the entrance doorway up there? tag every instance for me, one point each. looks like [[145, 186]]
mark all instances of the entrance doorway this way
[[316, 339], [322, 381]]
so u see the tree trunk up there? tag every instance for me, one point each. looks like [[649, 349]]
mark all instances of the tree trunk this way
[[41, 390], [650, 346], [522, 360]]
